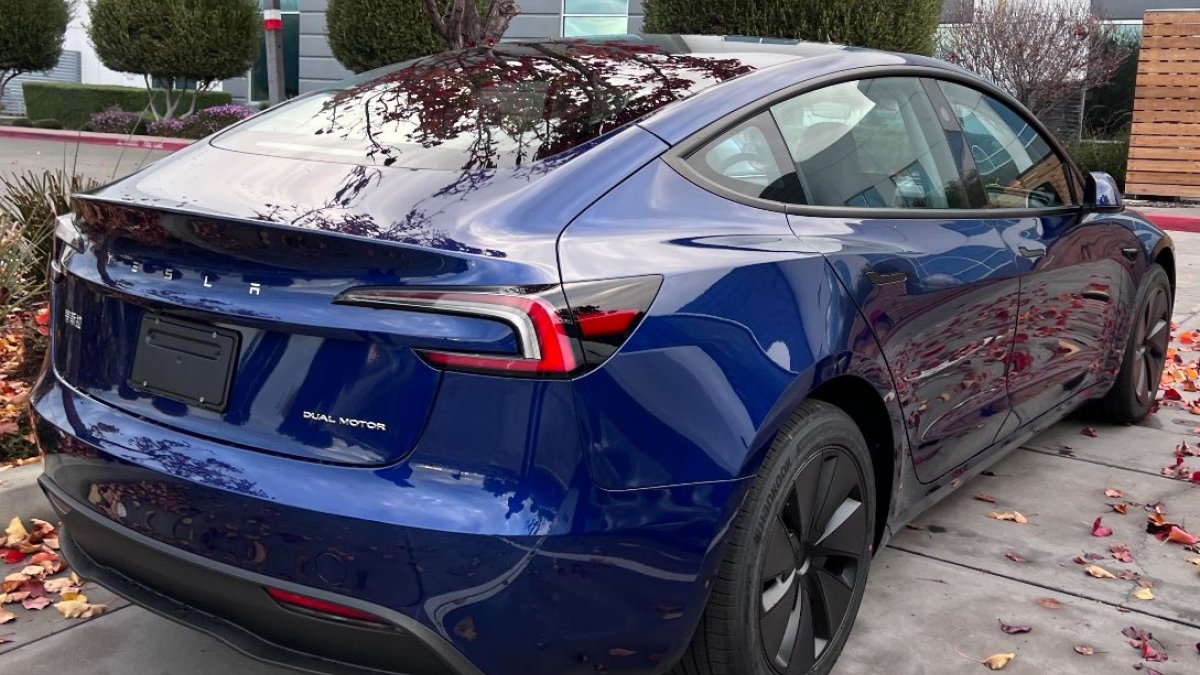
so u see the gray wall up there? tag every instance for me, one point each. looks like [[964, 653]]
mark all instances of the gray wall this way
[[67, 70], [539, 18], [1136, 9]]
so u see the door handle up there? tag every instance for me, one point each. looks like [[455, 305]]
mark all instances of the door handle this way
[[1034, 251], [885, 278]]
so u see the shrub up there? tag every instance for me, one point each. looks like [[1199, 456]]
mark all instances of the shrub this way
[[22, 122], [32, 201], [368, 34], [892, 25], [48, 123], [116, 121], [31, 36], [74, 104], [170, 128], [195, 42], [1110, 155], [211, 120]]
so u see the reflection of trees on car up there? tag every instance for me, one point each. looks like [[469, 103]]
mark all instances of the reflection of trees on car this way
[[516, 104]]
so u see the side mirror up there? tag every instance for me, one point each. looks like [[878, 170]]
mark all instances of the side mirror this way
[[1101, 194]]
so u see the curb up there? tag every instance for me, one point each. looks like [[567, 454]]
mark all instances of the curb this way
[[93, 138], [1176, 223], [21, 496]]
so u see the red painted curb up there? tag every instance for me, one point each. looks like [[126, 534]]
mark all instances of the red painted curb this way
[[1168, 221], [92, 138]]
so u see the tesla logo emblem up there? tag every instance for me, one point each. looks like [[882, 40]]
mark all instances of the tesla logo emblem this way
[[206, 280]]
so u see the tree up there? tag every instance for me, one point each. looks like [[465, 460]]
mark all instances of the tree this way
[[31, 36], [179, 45], [368, 34], [470, 23], [1040, 51], [891, 25]]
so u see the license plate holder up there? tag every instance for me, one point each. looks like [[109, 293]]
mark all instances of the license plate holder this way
[[185, 361]]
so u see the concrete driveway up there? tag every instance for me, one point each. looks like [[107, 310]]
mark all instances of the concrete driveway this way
[[937, 595]]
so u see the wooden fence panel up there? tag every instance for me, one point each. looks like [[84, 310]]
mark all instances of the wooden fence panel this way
[[1164, 149]]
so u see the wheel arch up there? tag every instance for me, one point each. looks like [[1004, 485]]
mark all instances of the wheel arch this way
[[862, 403], [1166, 259]]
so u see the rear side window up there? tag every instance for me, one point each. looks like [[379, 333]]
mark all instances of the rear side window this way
[[873, 143], [478, 109], [1018, 167]]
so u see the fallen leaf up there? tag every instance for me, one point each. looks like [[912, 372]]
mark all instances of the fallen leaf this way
[[1090, 431], [79, 609], [6, 616], [1181, 536], [1121, 553], [999, 661], [1099, 530], [1086, 650], [13, 556], [1049, 603], [1121, 508], [1099, 572], [1012, 629], [1144, 594], [1015, 557], [1013, 516], [984, 497], [61, 585], [36, 603], [1114, 493], [15, 533]]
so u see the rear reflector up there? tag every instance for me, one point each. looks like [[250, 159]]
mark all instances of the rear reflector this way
[[321, 606], [561, 331]]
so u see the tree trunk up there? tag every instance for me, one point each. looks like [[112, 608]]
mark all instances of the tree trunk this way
[[150, 92]]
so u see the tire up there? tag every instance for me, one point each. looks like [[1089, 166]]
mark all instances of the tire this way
[[1133, 393], [819, 456]]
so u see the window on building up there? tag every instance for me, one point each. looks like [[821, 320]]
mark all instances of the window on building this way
[[595, 17]]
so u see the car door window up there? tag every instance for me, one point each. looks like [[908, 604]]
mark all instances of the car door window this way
[[873, 143], [1018, 167]]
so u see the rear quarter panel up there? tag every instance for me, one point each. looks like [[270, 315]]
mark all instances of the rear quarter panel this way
[[748, 322]]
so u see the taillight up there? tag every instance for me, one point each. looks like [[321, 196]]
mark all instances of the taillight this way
[[560, 331], [319, 606]]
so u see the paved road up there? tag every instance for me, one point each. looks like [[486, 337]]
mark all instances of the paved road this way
[[101, 162], [936, 595]]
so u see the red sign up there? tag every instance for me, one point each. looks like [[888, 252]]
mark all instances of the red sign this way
[[272, 19]]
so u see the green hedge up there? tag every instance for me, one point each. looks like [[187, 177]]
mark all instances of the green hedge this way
[[74, 104], [1110, 155]]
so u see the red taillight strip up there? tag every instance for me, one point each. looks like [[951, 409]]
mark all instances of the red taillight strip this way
[[321, 606], [469, 304], [542, 337]]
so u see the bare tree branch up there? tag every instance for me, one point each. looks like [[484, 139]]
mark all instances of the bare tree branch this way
[[1040, 51]]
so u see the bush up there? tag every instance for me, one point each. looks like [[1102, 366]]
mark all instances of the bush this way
[[74, 104], [22, 122], [891, 25], [32, 201], [116, 121], [211, 120], [193, 41], [1110, 155], [48, 123], [31, 36], [368, 34], [169, 128]]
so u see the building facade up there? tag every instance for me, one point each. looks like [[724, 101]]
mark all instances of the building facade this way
[[538, 18]]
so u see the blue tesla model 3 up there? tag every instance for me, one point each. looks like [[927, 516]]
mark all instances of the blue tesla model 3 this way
[[572, 356]]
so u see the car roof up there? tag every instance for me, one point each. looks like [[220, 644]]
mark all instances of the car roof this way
[[776, 64]]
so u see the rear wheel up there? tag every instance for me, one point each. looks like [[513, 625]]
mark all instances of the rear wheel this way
[[1133, 394], [792, 580]]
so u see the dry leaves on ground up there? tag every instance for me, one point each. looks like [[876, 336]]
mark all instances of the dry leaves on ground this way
[[999, 661], [1011, 516]]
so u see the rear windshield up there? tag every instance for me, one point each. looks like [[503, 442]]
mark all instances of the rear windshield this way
[[507, 106]]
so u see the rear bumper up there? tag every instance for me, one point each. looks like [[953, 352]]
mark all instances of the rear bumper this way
[[539, 572], [232, 605]]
